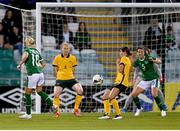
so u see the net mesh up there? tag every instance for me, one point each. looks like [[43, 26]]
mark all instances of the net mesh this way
[[109, 29]]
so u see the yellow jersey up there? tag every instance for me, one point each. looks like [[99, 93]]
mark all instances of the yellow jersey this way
[[123, 78], [65, 66]]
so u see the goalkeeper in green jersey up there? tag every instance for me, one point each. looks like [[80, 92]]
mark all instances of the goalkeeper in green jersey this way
[[150, 79], [34, 65]]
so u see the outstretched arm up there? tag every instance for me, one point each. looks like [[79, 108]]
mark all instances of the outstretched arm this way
[[156, 60]]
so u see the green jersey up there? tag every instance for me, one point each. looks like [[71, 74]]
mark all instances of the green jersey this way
[[33, 61], [147, 68]]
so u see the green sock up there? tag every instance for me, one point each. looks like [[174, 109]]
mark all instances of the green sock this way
[[158, 102], [45, 97], [28, 103], [136, 101]]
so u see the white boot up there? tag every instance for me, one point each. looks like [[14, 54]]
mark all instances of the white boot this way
[[117, 117], [104, 117], [138, 112], [25, 116], [163, 113]]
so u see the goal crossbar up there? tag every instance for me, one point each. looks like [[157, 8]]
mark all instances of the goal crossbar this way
[[125, 5]]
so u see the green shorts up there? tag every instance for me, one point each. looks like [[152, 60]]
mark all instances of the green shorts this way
[[122, 88], [66, 83]]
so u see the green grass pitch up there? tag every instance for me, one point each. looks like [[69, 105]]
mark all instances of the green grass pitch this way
[[89, 121]]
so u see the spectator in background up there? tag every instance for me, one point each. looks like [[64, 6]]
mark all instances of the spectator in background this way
[[153, 37], [8, 22], [16, 39], [82, 39], [67, 35], [170, 39], [2, 35]]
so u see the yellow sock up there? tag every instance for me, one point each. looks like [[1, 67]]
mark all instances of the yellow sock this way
[[106, 107], [116, 106], [77, 102], [56, 101]]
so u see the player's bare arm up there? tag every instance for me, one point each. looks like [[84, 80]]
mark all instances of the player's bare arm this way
[[42, 64], [55, 70], [157, 61], [23, 59]]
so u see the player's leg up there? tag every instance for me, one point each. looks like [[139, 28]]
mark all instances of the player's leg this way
[[43, 95], [115, 92], [154, 90], [127, 103], [141, 86], [31, 85], [106, 103], [138, 90], [79, 90], [130, 97], [28, 102], [56, 100], [161, 95]]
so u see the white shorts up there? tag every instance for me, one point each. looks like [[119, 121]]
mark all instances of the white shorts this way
[[149, 84], [138, 79], [35, 80]]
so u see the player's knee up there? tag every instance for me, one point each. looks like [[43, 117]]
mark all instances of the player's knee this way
[[111, 98], [105, 98], [79, 89], [28, 91], [38, 89], [56, 93], [134, 94], [80, 92], [154, 94]]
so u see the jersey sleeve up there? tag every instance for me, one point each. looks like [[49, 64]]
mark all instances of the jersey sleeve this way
[[26, 50], [74, 61], [55, 61], [123, 60], [150, 58], [135, 64]]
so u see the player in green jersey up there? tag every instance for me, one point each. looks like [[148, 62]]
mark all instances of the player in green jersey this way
[[150, 78], [34, 65]]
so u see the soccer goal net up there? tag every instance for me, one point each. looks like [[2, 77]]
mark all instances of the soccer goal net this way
[[96, 32]]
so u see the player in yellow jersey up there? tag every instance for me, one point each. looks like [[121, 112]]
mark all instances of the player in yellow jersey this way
[[122, 80], [64, 65], [105, 97], [121, 83]]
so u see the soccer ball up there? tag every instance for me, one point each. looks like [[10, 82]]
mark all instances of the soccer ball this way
[[97, 80]]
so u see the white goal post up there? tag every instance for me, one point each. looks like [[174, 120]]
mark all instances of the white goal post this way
[[40, 6]]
